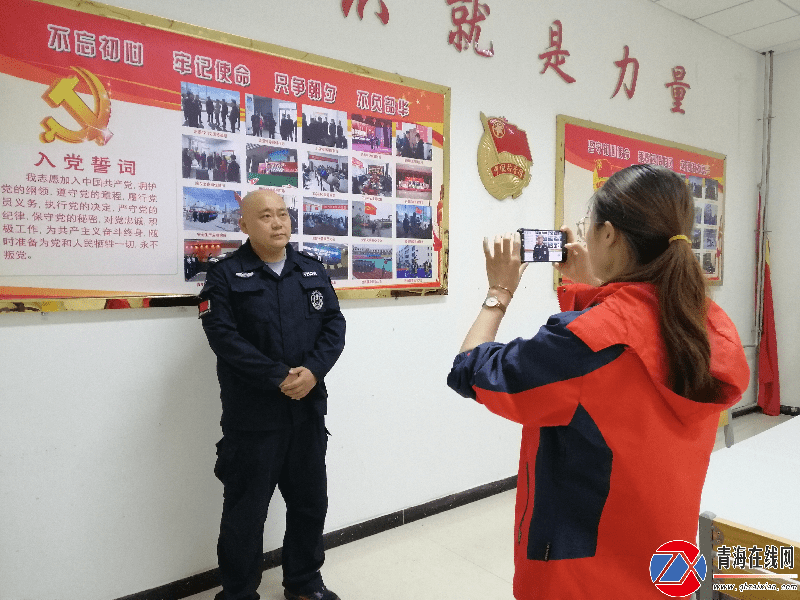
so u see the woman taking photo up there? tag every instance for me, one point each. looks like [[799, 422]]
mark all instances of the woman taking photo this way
[[619, 394]]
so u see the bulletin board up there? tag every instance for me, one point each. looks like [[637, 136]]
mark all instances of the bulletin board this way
[[130, 140], [587, 154]]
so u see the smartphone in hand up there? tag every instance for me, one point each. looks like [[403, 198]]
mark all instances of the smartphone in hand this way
[[543, 245]]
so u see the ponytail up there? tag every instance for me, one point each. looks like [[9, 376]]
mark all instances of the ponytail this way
[[650, 205]]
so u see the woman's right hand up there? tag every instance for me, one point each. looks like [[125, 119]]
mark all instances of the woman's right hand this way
[[577, 268]]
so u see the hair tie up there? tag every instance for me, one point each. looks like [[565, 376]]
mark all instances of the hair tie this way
[[678, 237]]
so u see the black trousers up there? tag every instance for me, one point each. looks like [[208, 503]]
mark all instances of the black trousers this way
[[250, 465]]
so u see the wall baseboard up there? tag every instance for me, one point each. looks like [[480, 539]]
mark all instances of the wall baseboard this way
[[208, 580], [745, 410]]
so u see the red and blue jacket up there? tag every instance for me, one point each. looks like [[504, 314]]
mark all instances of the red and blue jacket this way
[[612, 462]]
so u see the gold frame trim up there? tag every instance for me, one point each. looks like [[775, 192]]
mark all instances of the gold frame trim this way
[[47, 305], [56, 304]]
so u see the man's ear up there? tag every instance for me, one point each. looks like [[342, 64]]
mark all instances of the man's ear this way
[[243, 225]]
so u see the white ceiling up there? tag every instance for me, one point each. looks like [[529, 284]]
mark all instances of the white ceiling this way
[[760, 25]]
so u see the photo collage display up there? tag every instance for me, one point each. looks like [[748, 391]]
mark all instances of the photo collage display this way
[[708, 197], [359, 188]]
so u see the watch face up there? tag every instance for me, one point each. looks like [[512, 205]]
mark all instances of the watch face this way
[[491, 302]]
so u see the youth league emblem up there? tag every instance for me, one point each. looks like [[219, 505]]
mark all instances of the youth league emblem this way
[[504, 158], [316, 300]]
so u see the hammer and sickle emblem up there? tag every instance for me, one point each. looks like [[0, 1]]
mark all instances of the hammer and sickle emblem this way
[[94, 123]]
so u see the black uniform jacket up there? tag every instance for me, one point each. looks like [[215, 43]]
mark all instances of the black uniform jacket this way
[[259, 325]]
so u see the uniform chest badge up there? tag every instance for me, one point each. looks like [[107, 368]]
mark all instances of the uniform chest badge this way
[[245, 275], [316, 300], [309, 273]]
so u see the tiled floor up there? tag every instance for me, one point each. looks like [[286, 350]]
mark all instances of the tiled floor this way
[[461, 554]]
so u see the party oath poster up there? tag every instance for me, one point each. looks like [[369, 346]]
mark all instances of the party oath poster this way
[[128, 144]]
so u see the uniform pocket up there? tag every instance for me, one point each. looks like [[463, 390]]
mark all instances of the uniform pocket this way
[[224, 469], [316, 299], [249, 300]]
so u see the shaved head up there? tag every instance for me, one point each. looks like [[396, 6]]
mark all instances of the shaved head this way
[[266, 220], [255, 201]]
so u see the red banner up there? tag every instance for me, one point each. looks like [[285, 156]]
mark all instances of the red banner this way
[[138, 75], [277, 167], [323, 158], [609, 153]]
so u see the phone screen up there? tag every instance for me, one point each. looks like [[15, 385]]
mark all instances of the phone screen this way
[[543, 245]]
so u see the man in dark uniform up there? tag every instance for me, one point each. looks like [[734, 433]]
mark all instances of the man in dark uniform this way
[[272, 318], [234, 116], [224, 114], [233, 170], [540, 251], [198, 107], [418, 146], [332, 132], [187, 163], [210, 112], [187, 105]]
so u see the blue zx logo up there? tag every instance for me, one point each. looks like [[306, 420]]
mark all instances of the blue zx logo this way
[[677, 568]]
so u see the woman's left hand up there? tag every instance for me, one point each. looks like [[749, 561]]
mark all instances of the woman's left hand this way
[[504, 266]]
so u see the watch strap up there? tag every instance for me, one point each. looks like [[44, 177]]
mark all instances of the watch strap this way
[[494, 302]]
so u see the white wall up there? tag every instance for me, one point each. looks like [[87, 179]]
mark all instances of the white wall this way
[[110, 419], [783, 219]]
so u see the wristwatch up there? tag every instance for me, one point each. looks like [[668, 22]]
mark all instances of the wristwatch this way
[[494, 302]]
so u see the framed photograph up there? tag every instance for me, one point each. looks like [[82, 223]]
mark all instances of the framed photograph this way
[[134, 138], [587, 154]]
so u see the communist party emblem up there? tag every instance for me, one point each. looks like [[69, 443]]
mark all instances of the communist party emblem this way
[[504, 158], [93, 122]]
